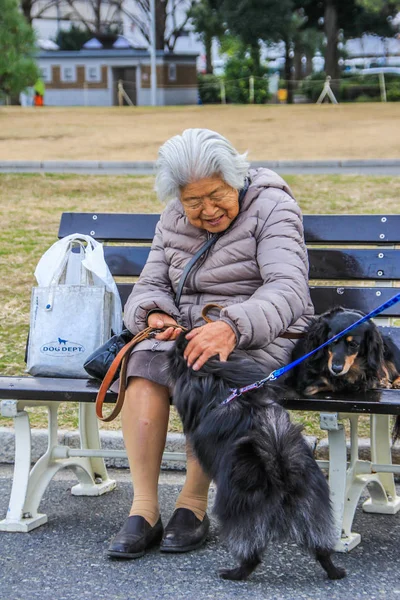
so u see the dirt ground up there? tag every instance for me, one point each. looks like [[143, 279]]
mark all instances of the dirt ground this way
[[268, 132]]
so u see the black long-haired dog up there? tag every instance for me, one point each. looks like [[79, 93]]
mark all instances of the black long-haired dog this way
[[269, 487], [363, 359]]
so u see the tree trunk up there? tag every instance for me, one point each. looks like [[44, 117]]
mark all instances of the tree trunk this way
[[288, 72], [255, 55], [208, 50], [97, 17], [331, 32], [298, 65], [309, 64], [161, 16], [26, 6]]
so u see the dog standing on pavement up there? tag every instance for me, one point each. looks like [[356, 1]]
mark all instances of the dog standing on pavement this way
[[269, 487]]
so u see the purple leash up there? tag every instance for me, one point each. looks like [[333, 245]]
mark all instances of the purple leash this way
[[279, 372]]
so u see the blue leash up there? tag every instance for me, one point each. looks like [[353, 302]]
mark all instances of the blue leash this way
[[279, 372]]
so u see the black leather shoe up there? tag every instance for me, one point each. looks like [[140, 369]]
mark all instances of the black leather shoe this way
[[135, 537], [184, 532]]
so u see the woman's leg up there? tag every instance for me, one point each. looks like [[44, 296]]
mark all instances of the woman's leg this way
[[144, 426], [194, 494]]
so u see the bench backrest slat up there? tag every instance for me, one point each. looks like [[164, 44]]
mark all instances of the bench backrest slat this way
[[338, 229], [324, 263], [354, 229], [110, 227], [324, 297], [334, 243]]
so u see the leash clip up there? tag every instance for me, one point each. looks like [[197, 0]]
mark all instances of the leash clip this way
[[235, 392]]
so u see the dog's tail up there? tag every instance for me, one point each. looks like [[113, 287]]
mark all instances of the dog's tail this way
[[275, 481]]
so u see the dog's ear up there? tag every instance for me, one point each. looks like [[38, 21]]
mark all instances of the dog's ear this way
[[372, 349], [317, 334]]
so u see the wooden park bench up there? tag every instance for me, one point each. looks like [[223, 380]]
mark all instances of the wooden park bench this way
[[354, 262]]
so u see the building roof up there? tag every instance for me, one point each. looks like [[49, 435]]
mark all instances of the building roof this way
[[115, 53], [108, 42]]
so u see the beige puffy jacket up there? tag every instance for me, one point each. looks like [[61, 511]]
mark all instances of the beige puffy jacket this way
[[257, 270]]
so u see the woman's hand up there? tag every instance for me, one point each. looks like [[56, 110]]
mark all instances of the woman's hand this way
[[206, 341], [160, 320]]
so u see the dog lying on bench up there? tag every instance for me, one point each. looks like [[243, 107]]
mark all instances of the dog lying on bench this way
[[269, 487], [363, 359]]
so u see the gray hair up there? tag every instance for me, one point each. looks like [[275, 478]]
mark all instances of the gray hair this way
[[194, 155]]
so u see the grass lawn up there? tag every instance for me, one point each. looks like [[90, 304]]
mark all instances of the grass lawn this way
[[269, 132], [30, 209]]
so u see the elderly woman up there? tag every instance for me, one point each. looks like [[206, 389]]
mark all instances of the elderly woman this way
[[256, 269]]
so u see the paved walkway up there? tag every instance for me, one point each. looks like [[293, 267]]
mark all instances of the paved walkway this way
[[301, 167], [65, 559]]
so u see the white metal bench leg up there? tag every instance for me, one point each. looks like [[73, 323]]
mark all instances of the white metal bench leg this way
[[16, 518], [381, 453], [29, 485], [358, 476], [348, 482], [338, 478], [90, 438]]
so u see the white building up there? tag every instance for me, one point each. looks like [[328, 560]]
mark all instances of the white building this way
[[93, 77]]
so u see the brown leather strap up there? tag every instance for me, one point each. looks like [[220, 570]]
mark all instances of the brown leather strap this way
[[207, 308], [121, 360], [292, 336]]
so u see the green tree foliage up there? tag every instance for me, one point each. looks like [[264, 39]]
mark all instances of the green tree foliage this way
[[352, 17], [18, 69], [73, 39], [290, 20], [254, 20], [208, 24], [239, 67]]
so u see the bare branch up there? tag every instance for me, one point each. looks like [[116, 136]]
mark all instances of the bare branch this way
[[44, 8], [142, 24], [86, 23], [173, 36]]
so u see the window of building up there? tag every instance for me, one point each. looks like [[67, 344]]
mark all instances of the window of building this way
[[68, 73], [45, 73], [172, 72], [93, 73]]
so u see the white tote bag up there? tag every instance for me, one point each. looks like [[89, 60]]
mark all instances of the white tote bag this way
[[73, 309]]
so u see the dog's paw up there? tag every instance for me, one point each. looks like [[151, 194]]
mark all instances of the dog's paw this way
[[233, 574], [337, 573], [385, 383], [396, 384], [311, 390]]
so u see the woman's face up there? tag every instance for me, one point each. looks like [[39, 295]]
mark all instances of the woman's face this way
[[210, 204]]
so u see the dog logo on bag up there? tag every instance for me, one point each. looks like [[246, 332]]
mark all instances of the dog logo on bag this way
[[62, 348]]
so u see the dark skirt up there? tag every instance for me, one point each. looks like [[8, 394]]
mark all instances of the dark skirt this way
[[148, 365]]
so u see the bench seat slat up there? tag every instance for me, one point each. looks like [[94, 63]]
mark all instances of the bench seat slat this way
[[85, 390]]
